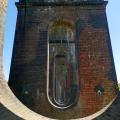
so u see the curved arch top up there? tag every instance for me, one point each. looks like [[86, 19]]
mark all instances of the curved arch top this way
[[62, 76]]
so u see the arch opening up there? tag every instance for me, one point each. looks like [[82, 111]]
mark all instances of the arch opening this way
[[62, 76]]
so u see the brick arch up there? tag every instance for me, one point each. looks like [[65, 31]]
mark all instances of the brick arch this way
[[65, 23], [61, 21], [53, 30]]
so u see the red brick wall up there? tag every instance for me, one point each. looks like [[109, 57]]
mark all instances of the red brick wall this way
[[94, 58], [95, 63]]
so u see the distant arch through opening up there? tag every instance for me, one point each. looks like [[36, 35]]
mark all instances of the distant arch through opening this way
[[62, 70]]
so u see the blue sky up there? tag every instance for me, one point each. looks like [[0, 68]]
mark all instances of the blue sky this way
[[113, 15]]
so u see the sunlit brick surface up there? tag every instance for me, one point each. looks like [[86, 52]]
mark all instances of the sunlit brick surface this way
[[97, 84]]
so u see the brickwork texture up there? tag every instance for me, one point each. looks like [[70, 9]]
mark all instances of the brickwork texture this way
[[96, 68], [97, 77]]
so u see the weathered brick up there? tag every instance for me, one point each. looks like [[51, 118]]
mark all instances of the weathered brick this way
[[95, 60]]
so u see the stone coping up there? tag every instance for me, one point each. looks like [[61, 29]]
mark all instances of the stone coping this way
[[80, 3]]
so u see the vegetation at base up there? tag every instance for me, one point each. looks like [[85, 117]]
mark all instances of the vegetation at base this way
[[119, 86]]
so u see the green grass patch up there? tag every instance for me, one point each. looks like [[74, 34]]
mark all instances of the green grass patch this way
[[119, 86]]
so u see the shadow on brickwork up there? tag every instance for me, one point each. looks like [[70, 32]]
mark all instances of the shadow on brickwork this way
[[113, 113], [5, 114]]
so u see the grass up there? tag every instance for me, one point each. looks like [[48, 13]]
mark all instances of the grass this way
[[119, 86]]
